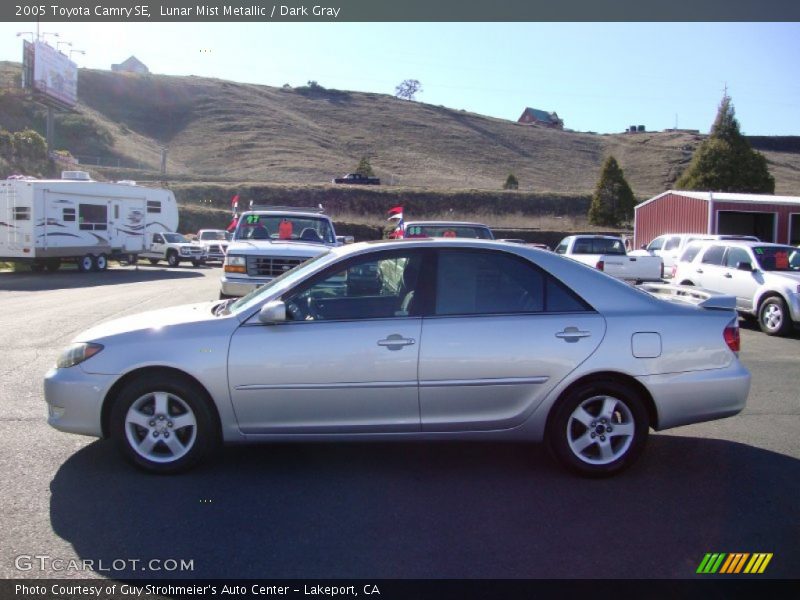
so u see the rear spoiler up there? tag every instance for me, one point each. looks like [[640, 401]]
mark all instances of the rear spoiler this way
[[690, 295]]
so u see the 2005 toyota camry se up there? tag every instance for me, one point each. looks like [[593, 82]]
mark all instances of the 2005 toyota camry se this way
[[426, 339]]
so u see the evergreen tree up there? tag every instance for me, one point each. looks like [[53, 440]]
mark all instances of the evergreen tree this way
[[364, 168], [725, 161], [613, 201], [512, 183]]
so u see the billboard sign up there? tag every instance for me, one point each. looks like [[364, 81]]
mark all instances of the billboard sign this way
[[54, 75]]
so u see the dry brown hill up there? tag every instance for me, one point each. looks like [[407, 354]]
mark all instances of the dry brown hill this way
[[220, 131]]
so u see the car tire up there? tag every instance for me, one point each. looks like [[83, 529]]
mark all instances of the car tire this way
[[53, 264], [197, 263], [164, 424], [101, 263], [86, 263], [172, 259], [773, 316], [153, 261], [598, 429]]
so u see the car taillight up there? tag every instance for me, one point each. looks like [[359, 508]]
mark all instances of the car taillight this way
[[731, 335], [601, 265]]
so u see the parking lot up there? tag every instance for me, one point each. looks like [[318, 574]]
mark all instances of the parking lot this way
[[412, 510]]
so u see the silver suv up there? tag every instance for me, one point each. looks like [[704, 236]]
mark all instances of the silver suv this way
[[764, 278]]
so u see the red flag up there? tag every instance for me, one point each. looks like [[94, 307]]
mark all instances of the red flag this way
[[235, 202], [397, 210], [232, 226]]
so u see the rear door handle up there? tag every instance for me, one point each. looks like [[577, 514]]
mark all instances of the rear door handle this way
[[396, 342], [572, 334], [728, 275], [698, 270]]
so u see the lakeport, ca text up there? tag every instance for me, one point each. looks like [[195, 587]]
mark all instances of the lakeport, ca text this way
[[148, 590]]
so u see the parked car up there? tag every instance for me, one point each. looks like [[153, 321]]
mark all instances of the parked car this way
[[764, 278], [358, 179], [459, 229], [464, 339], [607, 253], [215, 243], [173, 248], [270, 241], [671, 245]]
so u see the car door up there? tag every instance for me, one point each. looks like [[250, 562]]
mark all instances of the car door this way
[[708, 273], [344, 362], [157, 246], [503, 333], [739, 283]]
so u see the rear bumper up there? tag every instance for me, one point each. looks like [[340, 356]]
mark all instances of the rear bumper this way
[[697, 396]]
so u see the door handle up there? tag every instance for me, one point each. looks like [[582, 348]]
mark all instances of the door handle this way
[[698, 270], [728, 276], [396, 342], [572, 334]]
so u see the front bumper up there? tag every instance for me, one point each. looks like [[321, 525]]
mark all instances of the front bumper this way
[[697, 396], [75, 400], [240, 286]]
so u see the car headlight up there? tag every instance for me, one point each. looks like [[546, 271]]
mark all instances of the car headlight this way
[[235, 264], [185, 250], [77, 353]]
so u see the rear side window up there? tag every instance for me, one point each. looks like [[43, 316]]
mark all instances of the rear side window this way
[[479, 283], [713, 255], [672, 243], [691, 251]]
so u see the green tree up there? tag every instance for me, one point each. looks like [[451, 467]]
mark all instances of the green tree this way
[[364, 168], [725, 161], [512, 183], [613, 200], [29, 146], [408, 89]]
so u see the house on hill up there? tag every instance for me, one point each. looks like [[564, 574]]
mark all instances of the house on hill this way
[[534, 116], [131, 65]]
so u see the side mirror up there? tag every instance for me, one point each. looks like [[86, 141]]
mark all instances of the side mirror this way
[[345, 239], [744, 266], [643, 247], [272, 312]]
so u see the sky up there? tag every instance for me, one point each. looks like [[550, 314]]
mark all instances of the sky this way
[[600, 77]]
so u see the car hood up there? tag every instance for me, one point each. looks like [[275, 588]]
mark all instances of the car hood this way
[[154, 320], [266, 248]]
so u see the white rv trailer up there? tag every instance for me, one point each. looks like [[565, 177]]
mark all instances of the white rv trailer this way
[[46, 221]]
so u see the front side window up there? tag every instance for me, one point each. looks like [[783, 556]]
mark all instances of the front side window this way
[[691, 251], [736, 256], [368, 288], [157, 239], [656, 244], [672, 243], [175, 238], [472, 283]]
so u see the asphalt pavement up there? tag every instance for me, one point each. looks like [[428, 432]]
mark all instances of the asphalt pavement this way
[[388, 510]]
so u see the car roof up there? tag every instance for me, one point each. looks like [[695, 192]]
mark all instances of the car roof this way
[[447, 223], [293, 213]]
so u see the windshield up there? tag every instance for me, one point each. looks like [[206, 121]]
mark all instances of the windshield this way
[[283, 281], [461, 231], [175, 238], [213, 235], [777, 258], [285, 228]]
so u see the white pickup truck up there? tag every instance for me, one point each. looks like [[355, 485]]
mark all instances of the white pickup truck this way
[[173, 248], [607, 253]]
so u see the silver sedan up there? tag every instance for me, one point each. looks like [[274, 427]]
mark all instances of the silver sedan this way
[[431, 339]]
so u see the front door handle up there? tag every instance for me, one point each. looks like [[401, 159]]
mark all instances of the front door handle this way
[[699, 271], [396, 342], [572, 334], [728, 276]]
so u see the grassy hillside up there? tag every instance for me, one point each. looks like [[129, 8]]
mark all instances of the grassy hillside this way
[[219, 131]]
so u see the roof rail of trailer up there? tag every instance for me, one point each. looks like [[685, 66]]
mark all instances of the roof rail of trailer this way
[[310, 209]]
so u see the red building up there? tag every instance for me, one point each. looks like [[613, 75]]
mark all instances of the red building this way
[[771, 218], [534, 116]]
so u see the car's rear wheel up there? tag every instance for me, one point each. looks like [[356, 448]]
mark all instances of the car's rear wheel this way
[[773, 317], [163, 424], [153, 261], [599, 428]]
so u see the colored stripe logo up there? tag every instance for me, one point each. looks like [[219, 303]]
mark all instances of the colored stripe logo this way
[[734, 563]]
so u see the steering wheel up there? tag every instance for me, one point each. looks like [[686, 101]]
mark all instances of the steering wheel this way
[[295, 312]]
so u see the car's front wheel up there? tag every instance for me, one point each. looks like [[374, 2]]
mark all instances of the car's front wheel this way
[[599, 428], [172, 259], [163, 424], [773, 317]]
